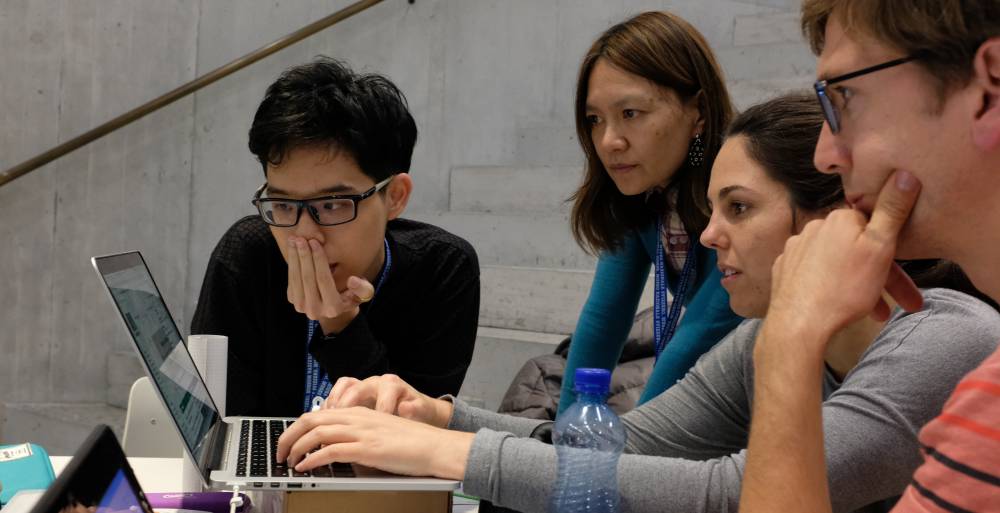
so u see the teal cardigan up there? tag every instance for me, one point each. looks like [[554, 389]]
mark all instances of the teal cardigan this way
[[614, 297]]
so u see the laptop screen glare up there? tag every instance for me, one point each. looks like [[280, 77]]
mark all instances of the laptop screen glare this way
[[161, 347]]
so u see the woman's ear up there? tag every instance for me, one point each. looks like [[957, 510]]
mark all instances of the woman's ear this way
[[398, 194], [698, 102], [986, 79]]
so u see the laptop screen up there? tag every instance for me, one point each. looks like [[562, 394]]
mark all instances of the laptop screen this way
[[162, 349], [98, 479], [119, 496]]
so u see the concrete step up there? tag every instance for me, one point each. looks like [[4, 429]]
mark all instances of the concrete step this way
[[755, 62], [765, 29], [747, 93], [499, 354], [537, 299], [124, 368], [529, 240], [58, 427], [514, 190], [551, 141]]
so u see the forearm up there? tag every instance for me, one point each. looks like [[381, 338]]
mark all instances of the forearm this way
[[449, 459], [518, 473], [786, 467], [469, 419], [607, 315], [600, 349], [705, 415]]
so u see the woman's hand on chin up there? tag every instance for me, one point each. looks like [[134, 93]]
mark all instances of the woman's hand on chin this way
[[374, 439]]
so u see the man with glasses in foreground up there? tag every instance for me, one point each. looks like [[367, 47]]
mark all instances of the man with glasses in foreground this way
[[327, 281], [915, 136]]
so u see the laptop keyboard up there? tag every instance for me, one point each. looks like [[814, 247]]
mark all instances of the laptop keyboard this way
[[258, 445]]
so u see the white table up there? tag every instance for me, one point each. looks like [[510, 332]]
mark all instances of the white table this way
[[163, 475], [159, 475]]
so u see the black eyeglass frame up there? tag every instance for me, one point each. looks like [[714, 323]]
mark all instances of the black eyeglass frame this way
[[829, 109], [258, 202]]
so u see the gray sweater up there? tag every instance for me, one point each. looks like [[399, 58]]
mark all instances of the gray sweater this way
[[687, 447]]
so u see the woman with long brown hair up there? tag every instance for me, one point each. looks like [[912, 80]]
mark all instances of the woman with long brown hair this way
[[651, 110]]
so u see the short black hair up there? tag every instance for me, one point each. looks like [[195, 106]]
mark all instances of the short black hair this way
[[324, 103]]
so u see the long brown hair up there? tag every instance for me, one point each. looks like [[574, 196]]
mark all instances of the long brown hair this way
[[668, 51]]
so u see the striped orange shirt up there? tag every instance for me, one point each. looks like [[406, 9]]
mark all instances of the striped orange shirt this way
[[961, 470]]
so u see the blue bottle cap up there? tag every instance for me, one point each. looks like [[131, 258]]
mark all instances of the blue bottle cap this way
[[592, 381]]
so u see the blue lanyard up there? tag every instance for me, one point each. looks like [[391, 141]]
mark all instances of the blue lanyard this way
[[318, 384], [665, 323]]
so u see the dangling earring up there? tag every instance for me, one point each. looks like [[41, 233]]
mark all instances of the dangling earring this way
[[696, 152]]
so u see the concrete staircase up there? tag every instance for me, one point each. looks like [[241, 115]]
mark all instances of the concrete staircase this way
[[61, 427], [58, 427]]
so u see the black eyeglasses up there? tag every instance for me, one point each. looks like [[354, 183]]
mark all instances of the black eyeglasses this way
[[326, 210], [829, 109]]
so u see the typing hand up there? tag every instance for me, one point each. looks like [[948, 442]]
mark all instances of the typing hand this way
[[312, 290], [389, 394], [835, 270], [374, 439]]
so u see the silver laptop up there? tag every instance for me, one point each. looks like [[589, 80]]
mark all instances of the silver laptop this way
[[234, 450]]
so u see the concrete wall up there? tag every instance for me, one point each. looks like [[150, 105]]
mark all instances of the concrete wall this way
[[490, 83], [68, 66]]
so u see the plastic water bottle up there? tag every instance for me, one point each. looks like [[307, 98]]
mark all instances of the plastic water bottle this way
[[589, 439]]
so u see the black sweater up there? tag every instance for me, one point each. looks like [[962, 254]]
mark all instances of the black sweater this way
[[421, 326]]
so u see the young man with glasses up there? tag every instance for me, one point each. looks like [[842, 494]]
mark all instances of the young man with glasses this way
[[913, 129], [327, 280]]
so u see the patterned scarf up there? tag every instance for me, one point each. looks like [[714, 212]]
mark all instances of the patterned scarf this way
[[675, 237]]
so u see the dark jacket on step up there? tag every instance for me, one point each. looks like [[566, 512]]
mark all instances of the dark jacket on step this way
[[534, 393]]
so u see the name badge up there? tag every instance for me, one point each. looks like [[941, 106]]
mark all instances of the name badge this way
[[15, 452]]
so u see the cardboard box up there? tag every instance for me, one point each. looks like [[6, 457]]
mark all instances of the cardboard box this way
[[367, 502]]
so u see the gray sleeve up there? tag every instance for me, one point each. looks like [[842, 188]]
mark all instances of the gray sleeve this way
[[469, 419], [707, 413], [703, 416], [519, 473], [870, 425], [872, 421]]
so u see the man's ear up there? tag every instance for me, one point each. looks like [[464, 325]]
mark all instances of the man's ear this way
[[397, 194], [986, 79]]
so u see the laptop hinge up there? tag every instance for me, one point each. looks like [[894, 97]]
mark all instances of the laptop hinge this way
[[217, 447]]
